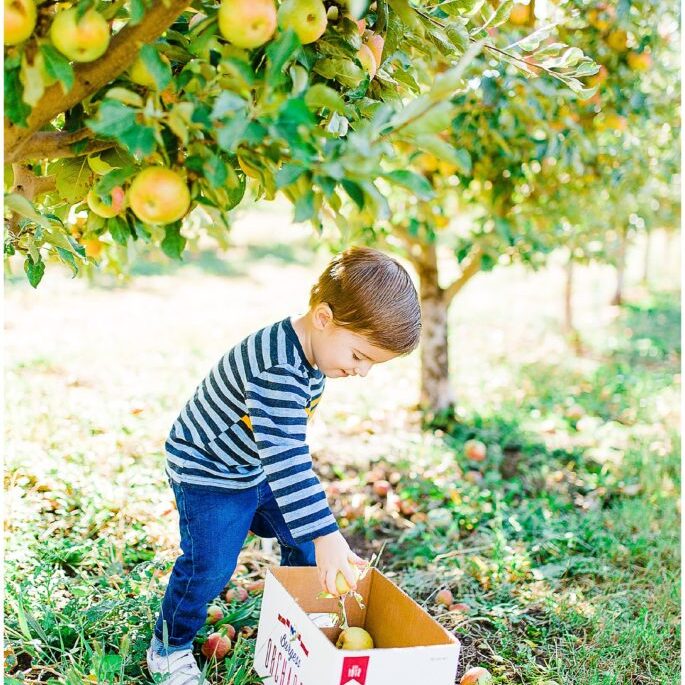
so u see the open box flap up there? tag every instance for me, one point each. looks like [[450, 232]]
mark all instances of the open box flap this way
[[390, 615]]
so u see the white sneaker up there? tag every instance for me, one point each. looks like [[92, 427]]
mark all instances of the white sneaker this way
[[179, 668]]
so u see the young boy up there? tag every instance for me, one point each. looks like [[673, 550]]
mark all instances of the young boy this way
[[237, 457]]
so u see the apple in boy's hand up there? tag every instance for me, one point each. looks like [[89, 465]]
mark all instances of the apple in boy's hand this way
[[476, 676], [341, 582], [354, 638]]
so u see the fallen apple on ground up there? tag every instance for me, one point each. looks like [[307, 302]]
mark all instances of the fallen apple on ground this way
[[233, 593], [475, 450], [460, 607], [216, 646], [444, 597], [476, 676], [354, 638], [214, 614], [382, 487]]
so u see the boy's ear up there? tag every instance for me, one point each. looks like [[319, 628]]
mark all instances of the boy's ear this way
[[323, 315]]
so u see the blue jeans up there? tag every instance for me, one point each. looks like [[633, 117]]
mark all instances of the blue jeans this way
[[214, 526]]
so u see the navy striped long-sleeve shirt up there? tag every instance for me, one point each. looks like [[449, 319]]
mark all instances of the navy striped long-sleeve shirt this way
[[247, 421]]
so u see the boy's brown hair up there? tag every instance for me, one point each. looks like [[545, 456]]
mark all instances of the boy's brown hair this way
[[371, 295]]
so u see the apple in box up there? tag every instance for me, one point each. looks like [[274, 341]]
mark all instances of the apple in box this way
[[390, 638]]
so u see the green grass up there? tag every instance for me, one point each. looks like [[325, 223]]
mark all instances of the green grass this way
[[567, 551]]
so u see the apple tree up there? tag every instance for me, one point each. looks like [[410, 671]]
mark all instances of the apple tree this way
[[540, 167], [147, 121]]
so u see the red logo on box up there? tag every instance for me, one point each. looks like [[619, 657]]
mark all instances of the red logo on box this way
[[354, 670]]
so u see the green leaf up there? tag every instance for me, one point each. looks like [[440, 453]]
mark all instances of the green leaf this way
[[344, 71], [227, 103], [230, 133], [214, 169], [288, 174], [458, 35], [532, 42], [459, 7], [98, 166], [113, 119], [408, 16], [174, 243], [355, 191], [116, 177], [414, 182], [320, 95], [280, 52], [33, 79], [20, 205], [304, 207], [236, 190], [128, 97], [156, 66], [57, 66], [16, 110], [137, 11], [73, 178], [68, 258], [445, 151], [34, 270], [139, 140], [118, 229], [501, 14]]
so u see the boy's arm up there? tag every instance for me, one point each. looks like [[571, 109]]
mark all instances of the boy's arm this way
[[276, 402]]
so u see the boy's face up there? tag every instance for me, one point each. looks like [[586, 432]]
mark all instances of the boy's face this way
[[339, 352]]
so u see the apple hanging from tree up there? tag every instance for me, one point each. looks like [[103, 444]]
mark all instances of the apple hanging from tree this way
[[159, 195], [97, 206], [365, 56], [80, 39], [20, 20], [375, 43], [247, 23], [306, 17]]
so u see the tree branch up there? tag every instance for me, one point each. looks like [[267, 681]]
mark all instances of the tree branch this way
[[92, 76], [471, 266], [56, 145], [29, 185]]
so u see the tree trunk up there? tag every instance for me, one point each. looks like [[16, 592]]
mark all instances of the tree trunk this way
[[568, 297], [617, 299], [436, 394], [569, 325], [647, 256]]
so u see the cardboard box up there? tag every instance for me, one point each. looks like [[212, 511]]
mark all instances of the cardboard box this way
[[291, 649]]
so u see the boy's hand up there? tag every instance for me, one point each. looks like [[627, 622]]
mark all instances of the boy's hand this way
[[333, 554]]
